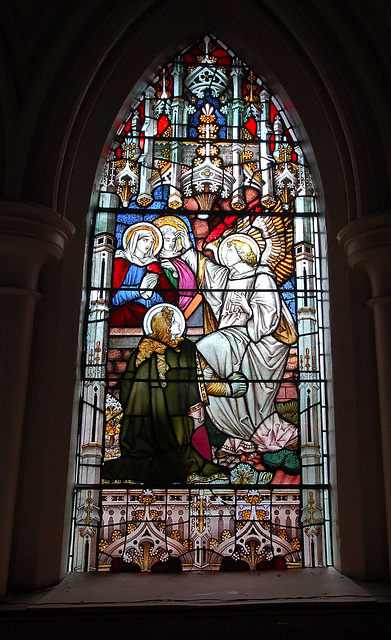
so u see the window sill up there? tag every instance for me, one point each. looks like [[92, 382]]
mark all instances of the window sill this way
[[207, 605], [201, 588]]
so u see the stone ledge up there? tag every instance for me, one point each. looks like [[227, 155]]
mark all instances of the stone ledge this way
[[297, 604], [197, 588]]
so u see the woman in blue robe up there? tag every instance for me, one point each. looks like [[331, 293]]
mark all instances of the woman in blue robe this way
[[139, 281]]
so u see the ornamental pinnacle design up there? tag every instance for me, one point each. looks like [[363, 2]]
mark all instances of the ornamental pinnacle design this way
[[185, 138]]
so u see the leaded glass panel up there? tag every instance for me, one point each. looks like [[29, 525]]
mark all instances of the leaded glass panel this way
[[203, 439]]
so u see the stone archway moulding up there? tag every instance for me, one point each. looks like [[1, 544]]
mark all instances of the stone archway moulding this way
[[30, 236], [85, 118], [367, 244]]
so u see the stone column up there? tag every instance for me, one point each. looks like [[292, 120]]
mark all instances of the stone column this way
[[30, 236], [367, 244]]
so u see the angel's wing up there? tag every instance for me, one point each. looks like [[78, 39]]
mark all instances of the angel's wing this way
[[277, 232], [274, 234]]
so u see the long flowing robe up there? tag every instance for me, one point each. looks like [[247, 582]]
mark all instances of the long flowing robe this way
[[248, 344], [185, 282], [156, 430]]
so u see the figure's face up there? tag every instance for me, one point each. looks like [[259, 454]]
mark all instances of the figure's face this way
[[231, 257], [144, 244], [175, 327], [169, 241]]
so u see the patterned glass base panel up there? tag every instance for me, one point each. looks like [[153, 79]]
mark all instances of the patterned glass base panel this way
[[200, 529], [144, 530]]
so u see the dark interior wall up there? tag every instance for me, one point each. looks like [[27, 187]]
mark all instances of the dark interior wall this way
[[67, 70]]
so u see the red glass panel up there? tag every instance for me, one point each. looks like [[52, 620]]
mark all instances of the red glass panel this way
[[162, 124]]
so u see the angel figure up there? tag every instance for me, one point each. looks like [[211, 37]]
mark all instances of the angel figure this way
[[254, 332]]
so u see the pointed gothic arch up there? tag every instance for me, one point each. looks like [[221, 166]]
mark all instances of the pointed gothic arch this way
[[206, 162], [91, 118]]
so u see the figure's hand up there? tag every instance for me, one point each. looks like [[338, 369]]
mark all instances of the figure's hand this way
[[147, 285], [166, 264], [211, 246], [240, 299], [239, 389], [238, 383], [185, 239]]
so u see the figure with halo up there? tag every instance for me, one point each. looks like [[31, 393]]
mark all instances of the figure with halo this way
[[253, 336], [139, 281], [162, 437], [175, 234]]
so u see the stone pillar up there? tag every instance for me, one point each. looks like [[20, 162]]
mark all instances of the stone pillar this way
[[30, 236], [367, 244]]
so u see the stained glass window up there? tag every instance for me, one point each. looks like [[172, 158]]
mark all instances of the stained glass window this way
[[202, 440]]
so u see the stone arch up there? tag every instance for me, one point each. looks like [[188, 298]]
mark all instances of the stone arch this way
[[83, 120]]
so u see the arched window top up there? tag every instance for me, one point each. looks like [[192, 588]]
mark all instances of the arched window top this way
[[203, 429], [178, 147]]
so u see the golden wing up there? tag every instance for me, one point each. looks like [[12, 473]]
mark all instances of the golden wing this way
[[274, 234], [277, 233], [242, 225]]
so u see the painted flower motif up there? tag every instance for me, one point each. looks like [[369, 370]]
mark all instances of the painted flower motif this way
[[147, 497], [265, 477], [253, 498], [295, 542], [213, 543], [243, 473], [113, 427], [283, 534], [103, 544], [130, 555], [116, 535]]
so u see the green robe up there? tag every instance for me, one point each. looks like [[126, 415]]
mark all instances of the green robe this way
[[156, 429]]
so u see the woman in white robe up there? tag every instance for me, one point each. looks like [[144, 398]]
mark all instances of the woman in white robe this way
[[253, 321]]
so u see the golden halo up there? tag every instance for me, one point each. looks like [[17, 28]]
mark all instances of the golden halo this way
[[173, 221], [158, 308], [143, 226]]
